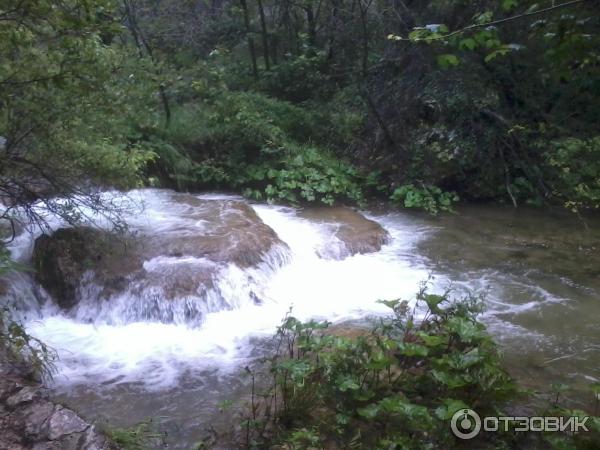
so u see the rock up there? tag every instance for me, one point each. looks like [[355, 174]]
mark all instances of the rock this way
[[5, 228], [356, 233], [177, 261], [9, 441], [232, 233], [25, 395], [64, 422], [8, 386], [61, 260], [31, 421], [4, 286], [92, 440]]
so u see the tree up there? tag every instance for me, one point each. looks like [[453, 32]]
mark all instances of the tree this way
[[65, 101]]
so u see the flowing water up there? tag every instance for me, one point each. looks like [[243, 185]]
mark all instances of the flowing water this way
[[119, 364]]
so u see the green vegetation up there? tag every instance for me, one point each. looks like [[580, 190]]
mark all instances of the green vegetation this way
[[23, 351], [138, 437], [430, 198], [257, 145], [417, 103], [395, 386], [333, 101], [67, 97]]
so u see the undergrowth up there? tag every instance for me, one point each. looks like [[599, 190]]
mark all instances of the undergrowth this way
[[394, 387]]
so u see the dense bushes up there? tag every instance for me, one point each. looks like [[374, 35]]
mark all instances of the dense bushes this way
[[406, 93], [395, 386], [575, 171], [303, 174], [265, 148], [430, 198]]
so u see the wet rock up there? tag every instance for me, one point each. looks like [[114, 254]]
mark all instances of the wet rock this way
[[356, 233], [64, 422], [4, 286], [8, 386], [5, 230], [25, 395], [29, 420], [231, 233], [9, 442], [33, 419], [61, 260], [93, 440], [181, 260]]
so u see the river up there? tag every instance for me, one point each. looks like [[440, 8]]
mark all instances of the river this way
[[540, 271]]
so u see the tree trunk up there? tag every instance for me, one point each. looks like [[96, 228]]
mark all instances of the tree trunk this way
[[250, 40], [265, 36], [140, 40]]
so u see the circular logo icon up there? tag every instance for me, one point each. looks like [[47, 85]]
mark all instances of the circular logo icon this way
[[465, 424]]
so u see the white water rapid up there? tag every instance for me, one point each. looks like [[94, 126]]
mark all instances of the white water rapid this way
[[109, 342], [157, 346]]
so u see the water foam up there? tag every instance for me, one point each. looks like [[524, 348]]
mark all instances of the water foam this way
[[123, 340]]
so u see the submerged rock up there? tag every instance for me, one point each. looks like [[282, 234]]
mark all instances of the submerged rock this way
[[355, 232], [175, 257]]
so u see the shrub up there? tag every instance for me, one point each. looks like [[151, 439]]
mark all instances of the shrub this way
[[394, 387], [302, 174], [138, 437], [430, 198], [252, 143], [298, 79], [575, 173]]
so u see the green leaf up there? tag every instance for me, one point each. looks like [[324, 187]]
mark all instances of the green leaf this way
[[447, 60], [369, 412], [468, 44], [466, 330], [433, 340], [410, 349], [449, 407], [433, 302], [347, 383]]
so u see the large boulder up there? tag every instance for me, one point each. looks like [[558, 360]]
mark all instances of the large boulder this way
[[353, 231], [226, 231], [62, 259], [174, 254]]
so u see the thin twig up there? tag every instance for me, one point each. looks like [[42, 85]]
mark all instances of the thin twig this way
[[493, 22]]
